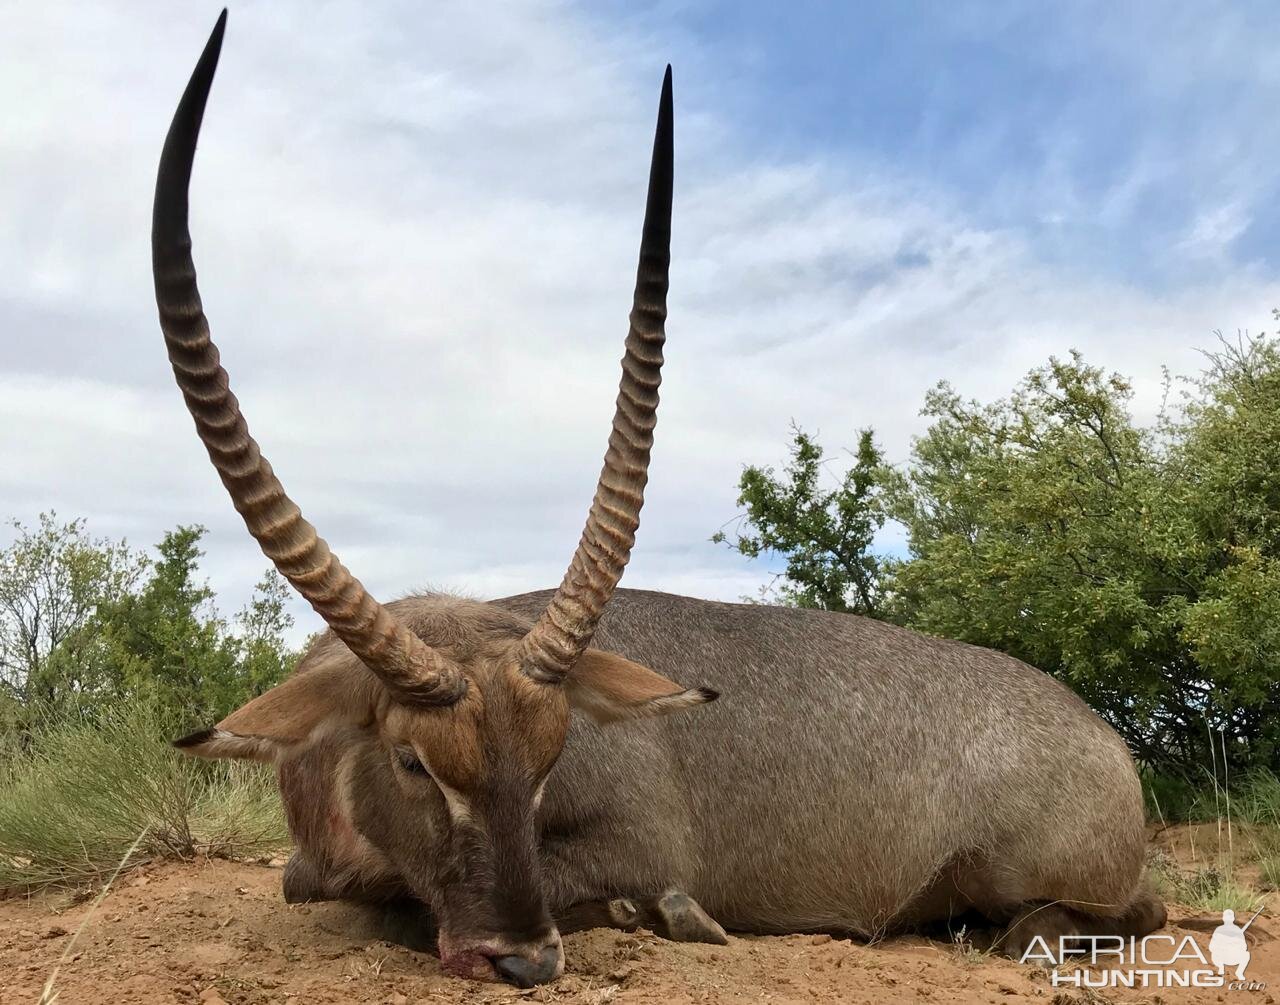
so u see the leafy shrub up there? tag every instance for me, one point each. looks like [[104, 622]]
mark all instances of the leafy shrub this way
[[1138, 564]]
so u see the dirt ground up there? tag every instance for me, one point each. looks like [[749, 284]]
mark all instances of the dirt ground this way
[[218, 932]]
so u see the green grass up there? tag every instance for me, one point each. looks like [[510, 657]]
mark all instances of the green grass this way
[[1248, 821], [1269, 872], [1258, 804], [77, 798], [1257, 799], [1254, 799]]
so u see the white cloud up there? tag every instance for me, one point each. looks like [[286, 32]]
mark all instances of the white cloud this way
[[1214, 229], [416, 235]]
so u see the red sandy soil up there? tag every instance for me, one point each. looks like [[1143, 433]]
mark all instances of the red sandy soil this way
[[218, 932]]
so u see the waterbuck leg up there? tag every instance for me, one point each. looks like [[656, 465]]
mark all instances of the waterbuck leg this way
[[391, 916], [406, 922], [673, 915], [306, 880], [1051, 922], [303, 882], [617, 913], [680, 918]]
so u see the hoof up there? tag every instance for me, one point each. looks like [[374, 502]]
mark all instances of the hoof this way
[[680, 918]]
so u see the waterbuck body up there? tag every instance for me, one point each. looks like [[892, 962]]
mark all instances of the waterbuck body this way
[[856, 777], [503, 770]]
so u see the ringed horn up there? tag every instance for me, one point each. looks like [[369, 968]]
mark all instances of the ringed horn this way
[[554, 644], [413, 671]]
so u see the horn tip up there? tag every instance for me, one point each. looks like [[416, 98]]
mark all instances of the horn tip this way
[[169, 210], [202, 77], [219, 29]]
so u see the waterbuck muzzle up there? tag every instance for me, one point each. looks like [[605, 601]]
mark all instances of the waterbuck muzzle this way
[[436, 747]]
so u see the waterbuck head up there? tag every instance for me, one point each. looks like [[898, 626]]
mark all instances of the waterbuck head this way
[[465, 708]]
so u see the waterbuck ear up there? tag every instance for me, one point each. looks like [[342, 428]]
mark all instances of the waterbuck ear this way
[[609, 688], [269, 724]]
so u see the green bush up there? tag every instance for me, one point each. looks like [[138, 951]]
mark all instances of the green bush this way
[[87, 621], [1172, 798], [1139, 564], [75, 800]]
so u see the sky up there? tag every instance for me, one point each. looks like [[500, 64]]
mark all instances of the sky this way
[[416, 224]]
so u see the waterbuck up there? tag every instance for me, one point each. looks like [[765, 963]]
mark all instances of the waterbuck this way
[[509, 767]]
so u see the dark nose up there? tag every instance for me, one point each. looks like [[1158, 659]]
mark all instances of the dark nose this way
[[526, 973]]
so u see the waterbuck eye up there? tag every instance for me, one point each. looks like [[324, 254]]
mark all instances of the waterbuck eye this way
[[408, 760]]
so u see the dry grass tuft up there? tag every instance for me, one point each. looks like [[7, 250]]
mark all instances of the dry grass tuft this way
[[73, 804]]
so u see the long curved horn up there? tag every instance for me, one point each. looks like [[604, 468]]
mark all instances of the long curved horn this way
[[411, 669], [554, 644]]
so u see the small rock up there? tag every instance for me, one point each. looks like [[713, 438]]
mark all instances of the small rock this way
[[54, 932], [210, 996]]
